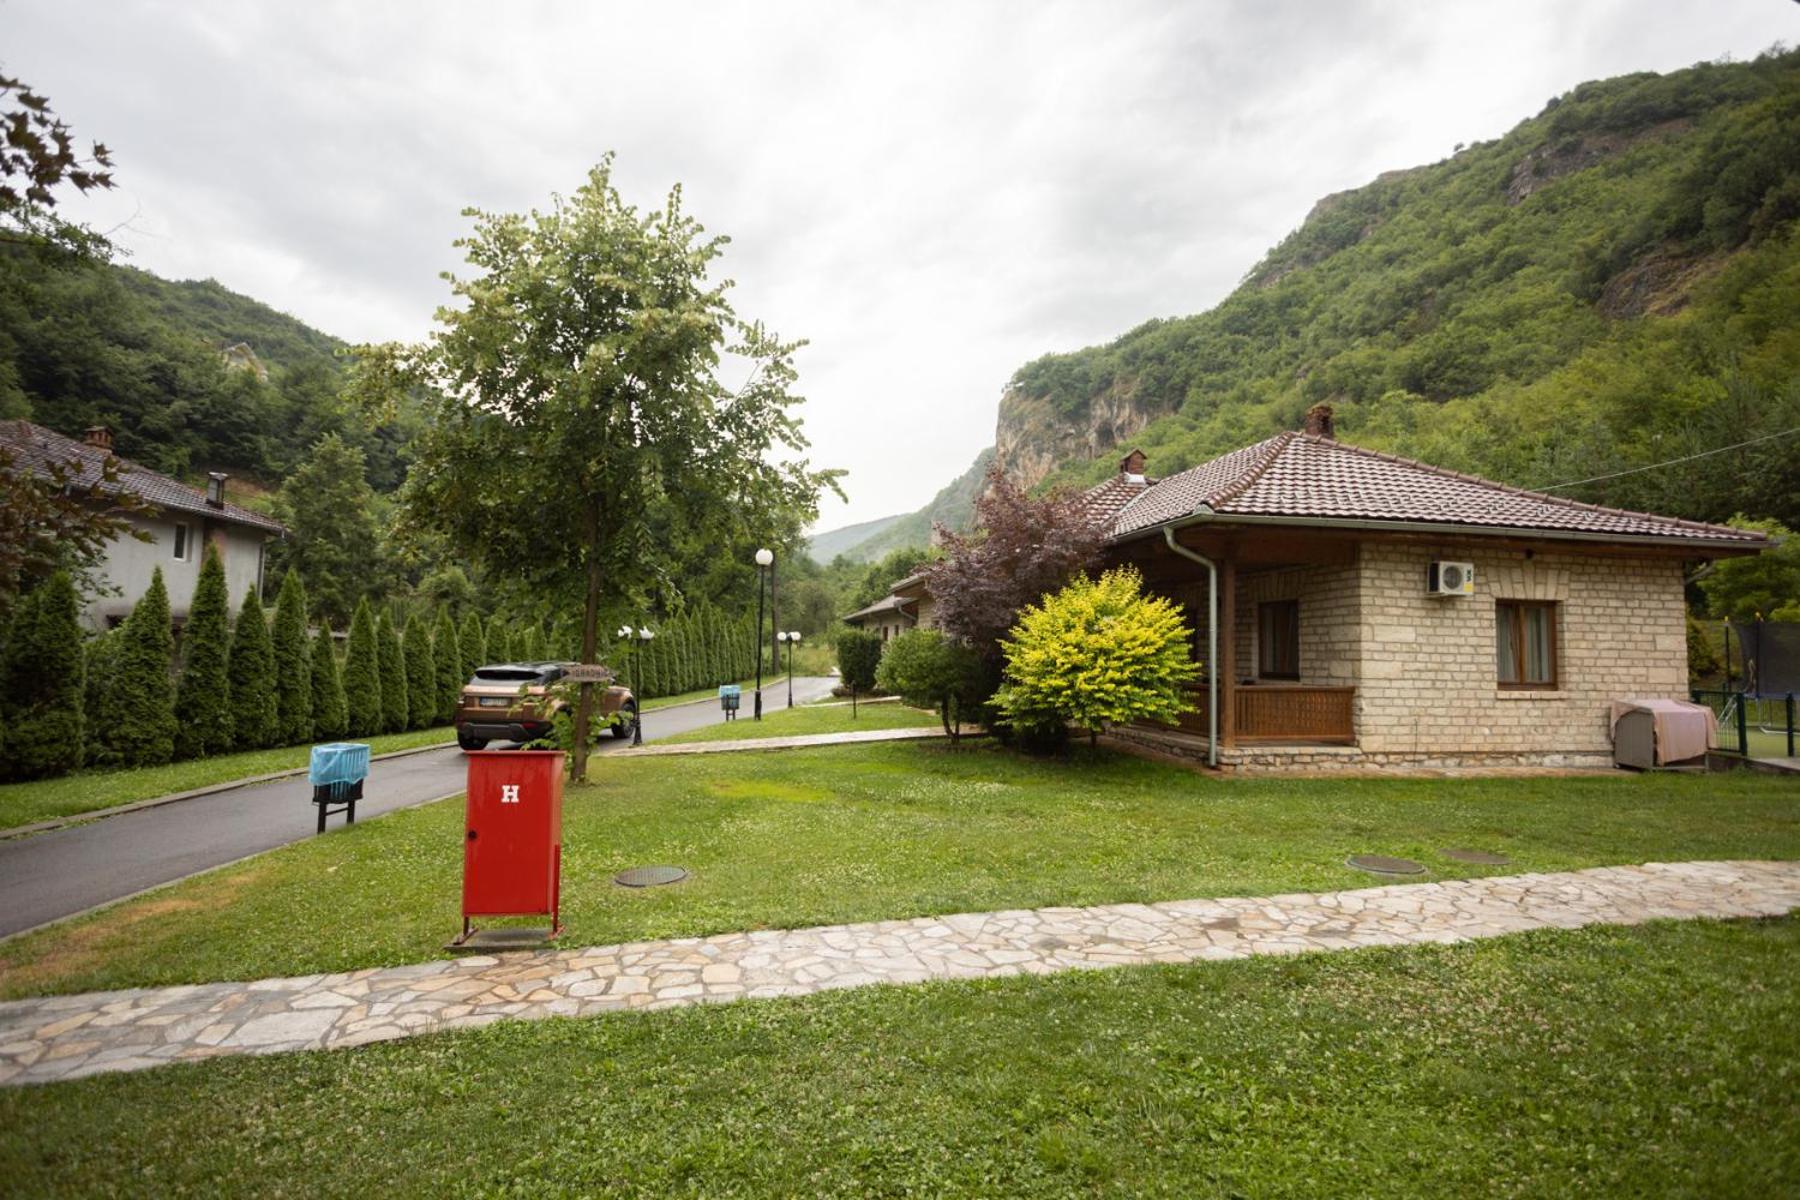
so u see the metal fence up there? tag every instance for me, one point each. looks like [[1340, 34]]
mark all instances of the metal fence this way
[[1753, 726]]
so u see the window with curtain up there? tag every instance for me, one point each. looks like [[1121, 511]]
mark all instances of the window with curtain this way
[[1278, 639], [1525, 643]]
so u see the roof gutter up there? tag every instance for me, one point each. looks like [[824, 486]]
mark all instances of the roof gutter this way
[[1446, 529], [1212, 638]]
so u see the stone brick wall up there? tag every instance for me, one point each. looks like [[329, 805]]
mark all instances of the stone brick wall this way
[[1428, 685], [1330, 620]]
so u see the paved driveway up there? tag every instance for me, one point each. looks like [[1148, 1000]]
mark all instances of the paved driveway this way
[[50, 875]]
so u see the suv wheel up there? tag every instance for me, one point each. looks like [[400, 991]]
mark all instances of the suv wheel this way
[[624, 728], [471, 743]]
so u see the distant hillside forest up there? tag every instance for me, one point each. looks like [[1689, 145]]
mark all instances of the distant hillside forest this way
[[1614, 283], [85, 343]]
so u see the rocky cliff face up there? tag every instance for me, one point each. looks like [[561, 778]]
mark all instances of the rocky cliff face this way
[[1032, 438]]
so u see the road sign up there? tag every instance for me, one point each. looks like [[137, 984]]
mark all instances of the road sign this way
[[588, 673]]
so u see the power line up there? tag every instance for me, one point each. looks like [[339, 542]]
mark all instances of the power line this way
[[1767, 437]]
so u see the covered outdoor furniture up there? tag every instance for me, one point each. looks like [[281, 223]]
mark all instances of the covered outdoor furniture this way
[[1655, 732]]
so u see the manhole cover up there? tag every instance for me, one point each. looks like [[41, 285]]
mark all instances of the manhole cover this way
[[1381, 864], [649, 876], [1479, 857]]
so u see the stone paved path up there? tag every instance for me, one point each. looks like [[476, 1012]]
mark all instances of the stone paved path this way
[[63, 1037]]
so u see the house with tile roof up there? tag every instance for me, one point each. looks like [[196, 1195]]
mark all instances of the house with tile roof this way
[[1354, 608], [178, 520]]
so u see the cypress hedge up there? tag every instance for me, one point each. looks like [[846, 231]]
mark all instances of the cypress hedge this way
[[421, 674], [363, 693], [499, 642], [100, 662], [43, 682], [394, 705], [473, 643], [138, 724], [293, 668], [202, 697], [251, 671], [530, 645], [330, 710], [446, 659]]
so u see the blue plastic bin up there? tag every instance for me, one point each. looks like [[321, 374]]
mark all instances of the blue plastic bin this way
[[338, 762], [729, 699]]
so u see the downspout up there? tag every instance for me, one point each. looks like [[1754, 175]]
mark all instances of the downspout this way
[[1212, 641]]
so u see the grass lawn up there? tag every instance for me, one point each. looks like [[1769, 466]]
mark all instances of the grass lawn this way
[[811, 718], [42, 799], [1657, 1060], [858, 833]]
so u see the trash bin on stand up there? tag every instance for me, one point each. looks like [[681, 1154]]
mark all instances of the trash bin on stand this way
[[512, 839], [336, 772], [730, 696]]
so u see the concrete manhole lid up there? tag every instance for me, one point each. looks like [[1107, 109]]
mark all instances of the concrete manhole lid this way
[[1381, 864], [649, 876], [1479, 857]]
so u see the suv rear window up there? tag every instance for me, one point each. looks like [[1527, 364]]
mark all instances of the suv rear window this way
[[512, 675]]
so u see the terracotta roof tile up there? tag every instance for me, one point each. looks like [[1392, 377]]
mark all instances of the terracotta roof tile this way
[[36, 448], [1299, 475]]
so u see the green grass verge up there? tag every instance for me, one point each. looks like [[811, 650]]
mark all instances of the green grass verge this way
[[1657, 1060], [711, 693], [858, 833], [43, 799], [810, 718]]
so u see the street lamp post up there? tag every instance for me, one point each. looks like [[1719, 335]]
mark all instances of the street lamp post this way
[[765, 561], [637, 726], [792, 638]]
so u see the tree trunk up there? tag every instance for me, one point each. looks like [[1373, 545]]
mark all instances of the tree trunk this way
[[590, 621]]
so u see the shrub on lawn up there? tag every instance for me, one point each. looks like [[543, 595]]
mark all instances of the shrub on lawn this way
[[293, 669], [925, 668], [42, 682], [137, 727], [202, 697], [394, 692], [330, 710], [363, 694], [421, 674], [1096, 654], [99, 661], [858, 658], [473, 643], [251, 670], [446, 659]]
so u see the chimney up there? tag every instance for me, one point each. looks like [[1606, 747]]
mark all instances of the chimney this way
[[215, 488], [1318, 422], [99, 437], [1132, 466]]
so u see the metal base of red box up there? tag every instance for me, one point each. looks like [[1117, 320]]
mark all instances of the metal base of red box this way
[[511, 938]]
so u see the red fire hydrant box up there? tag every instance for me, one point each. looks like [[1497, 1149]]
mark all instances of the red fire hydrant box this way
[[512, 840]]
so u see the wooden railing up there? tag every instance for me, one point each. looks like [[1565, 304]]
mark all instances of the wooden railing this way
[[1295, 713]]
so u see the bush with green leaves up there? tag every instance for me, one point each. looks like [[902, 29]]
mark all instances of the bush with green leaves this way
[[472, 641], [1742, 589], [925, 668], [1096, 654], [330, 709], [858, 658], [98, 666], [395, 694], [364, 697], [499, 640], [137, 728], [41, 678], [447, 664], [422, 700], [203, 695], [251, 672], [293, 665]]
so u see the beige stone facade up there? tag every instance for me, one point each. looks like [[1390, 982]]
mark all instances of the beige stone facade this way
[[1424, 668]]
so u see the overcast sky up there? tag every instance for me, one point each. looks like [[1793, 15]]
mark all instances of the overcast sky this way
[[931, 194]]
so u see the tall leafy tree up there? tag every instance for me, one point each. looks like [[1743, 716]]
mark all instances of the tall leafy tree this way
[[293, 667], [327, 505], [447, 664], [38, 157], [364, 696], [330, 709], [394, 694], [585, 353], [41, 683], [203, 696], [138, 724], [251, 672], [422, 700], [499, 640], [473, 643]]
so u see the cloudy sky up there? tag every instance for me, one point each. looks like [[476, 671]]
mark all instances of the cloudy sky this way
[[932, 194]]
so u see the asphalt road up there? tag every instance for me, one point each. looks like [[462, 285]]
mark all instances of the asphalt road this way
[[50, 875]]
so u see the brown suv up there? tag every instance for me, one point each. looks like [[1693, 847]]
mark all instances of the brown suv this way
[[514, 702]]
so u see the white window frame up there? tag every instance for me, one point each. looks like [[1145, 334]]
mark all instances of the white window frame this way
[[182, 547]]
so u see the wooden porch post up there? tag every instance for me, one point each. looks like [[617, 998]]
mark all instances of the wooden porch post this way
[[1227, 664]]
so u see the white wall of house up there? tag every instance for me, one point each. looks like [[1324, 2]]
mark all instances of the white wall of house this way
[[129, 563]]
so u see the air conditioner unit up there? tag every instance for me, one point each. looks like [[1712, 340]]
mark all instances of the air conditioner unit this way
[[1450, 579]]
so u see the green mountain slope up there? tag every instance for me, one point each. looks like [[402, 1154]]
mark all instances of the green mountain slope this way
[[823, 547], [1614, 283], [954, 506]]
